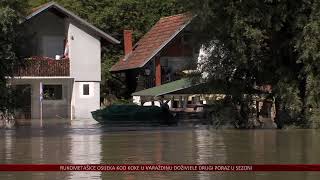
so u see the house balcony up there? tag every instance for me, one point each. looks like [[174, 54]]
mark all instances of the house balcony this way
[[43, 66]]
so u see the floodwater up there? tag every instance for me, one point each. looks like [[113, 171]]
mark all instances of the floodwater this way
[[83, 142]]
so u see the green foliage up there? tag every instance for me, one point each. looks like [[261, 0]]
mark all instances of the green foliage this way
[[288, 92], [8, 24], [313, 117], [223, 114], [313, 100], [20, 7], [273, 42], [309, 48], [313, 93], [123, 101], [9, 41]]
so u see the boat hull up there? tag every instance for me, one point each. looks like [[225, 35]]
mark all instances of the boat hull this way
[[133, 115]]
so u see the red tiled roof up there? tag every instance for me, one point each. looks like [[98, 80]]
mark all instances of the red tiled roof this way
[[153, 41]]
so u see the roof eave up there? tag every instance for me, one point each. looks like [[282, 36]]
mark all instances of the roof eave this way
[[122, 69], [138, 93]]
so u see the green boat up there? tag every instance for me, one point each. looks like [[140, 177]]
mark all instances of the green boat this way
[[131, 115]]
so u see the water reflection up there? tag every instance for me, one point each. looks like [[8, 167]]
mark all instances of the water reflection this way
[[8, 145], [211, 150], [85, 149], [92, 144]]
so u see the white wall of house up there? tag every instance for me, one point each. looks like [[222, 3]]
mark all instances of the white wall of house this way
[[85, 54], [85, 68], [83, 105], [51, 108]]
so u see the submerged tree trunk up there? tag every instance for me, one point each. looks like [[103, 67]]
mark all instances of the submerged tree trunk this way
[[303, 94], [278, 119], [244, 113]]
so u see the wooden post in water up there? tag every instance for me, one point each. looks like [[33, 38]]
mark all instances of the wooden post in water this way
[[41, 99], [185, 102], [180, 102]]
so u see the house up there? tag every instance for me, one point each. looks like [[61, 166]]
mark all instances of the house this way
[[159, 59], [155, 68], [62, 75], [155, 72], [161, 53]]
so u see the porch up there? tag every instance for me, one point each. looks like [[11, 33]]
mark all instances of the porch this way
[[171, 92], [56, 97]]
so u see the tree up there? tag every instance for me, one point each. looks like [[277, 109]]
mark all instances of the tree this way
[[309, 49], [264, 42], [10, 11]]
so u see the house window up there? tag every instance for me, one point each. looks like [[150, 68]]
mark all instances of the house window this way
[[86, 91], [52, 92]]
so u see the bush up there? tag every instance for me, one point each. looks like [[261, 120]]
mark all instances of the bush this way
[[123, 101], [313, 118], [223, 114]]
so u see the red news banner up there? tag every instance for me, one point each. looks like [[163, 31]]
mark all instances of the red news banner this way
[[158, 167]]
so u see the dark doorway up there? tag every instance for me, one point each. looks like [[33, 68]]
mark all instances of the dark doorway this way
[[22, 101]]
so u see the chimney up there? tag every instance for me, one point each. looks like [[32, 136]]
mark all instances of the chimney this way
[[127, 38]]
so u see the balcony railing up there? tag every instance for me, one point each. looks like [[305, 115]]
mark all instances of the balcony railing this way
[[41, 66]]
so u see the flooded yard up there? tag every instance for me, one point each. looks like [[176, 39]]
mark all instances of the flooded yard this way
[[84, 142]]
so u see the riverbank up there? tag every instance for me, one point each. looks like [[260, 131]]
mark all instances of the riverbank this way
[[91, 123]]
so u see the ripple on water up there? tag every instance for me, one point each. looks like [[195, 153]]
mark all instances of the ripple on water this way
[[88, 142]]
